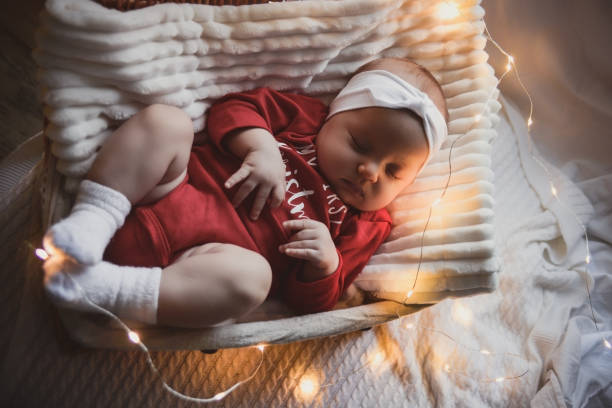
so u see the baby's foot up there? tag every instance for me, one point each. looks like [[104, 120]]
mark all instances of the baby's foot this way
[[128, 292], [66, 281], [97, 214], [78, 237]]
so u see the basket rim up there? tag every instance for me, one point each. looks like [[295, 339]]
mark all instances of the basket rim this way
[[126, 5]]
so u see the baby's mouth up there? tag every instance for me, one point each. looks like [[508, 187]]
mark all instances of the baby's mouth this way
[[353, 188]]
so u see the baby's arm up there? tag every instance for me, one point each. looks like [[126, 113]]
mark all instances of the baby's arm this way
[[359, 238], [244, 123], [262, 168]]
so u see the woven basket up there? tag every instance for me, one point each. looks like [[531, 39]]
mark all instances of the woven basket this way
[[63, 167], [124, 5]]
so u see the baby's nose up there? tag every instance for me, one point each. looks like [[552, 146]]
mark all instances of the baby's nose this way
[[368, 172]]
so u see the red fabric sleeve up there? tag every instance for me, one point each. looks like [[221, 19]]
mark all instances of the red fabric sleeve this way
[[265, 108], [357, 242]]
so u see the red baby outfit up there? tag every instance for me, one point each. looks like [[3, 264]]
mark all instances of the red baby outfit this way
[[200, 211]]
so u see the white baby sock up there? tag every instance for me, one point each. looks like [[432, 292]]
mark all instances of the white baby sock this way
[[99, 211], [129, 292]]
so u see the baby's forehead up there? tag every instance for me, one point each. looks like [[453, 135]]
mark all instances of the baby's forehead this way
[[396, 128]]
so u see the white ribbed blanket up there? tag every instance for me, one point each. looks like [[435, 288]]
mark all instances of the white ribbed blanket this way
[[100, 66]]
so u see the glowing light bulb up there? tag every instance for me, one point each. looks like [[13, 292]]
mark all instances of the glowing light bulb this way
[[219, 396], [553, 190], [461, 313], [261, 347], [486, 352], [447, 368], [134, 337], [508, 67], [499, 379], [377, 358], [587, 259], [529, 122], [410, 325], [477, 117], [510, 59], [42, 254], [607, 344], [409, 293], [308, 386], [447, 10]]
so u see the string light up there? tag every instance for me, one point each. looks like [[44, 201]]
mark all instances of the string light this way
[[377, 358], [41, 253], [511, 64], [509, 67], [447, 367], [134, 337], [443, 14], [462, 313], [308, 386], [553, 189]]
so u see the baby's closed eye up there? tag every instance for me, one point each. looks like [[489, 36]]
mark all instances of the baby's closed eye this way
[[357, 145], [394, 170]]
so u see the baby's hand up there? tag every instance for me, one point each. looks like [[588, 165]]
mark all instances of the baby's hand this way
[[313, 243], [261, 169]]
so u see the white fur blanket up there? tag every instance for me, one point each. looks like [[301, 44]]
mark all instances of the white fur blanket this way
[[100, 66]]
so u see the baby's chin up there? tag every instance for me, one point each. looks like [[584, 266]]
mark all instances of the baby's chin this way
[[361, 204], [365, 206]]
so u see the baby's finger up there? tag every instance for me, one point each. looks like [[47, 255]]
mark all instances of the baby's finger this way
[[306, 254], [242, 173], [278, 196], [304, 234], [260, 201], [307, 243], [292, 225], [243, 192]]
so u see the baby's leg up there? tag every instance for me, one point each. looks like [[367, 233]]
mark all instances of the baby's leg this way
[[212, 283], [140, 162], [208, 285], [151, 149]]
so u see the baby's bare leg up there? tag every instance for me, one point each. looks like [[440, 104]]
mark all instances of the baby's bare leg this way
[[212, 283], [150, 149]]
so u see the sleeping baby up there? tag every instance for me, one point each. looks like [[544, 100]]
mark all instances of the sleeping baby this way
[[286, 200]]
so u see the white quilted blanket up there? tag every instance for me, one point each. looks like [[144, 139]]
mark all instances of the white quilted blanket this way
[[100, 66]]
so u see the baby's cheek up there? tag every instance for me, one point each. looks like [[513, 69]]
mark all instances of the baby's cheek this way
[[390, 194]]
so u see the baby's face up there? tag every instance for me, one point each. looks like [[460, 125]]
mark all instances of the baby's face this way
[[370, 155]]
